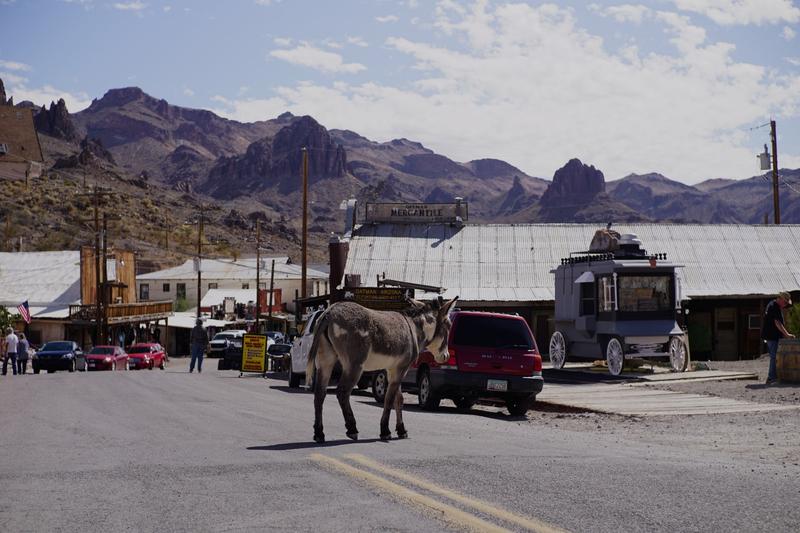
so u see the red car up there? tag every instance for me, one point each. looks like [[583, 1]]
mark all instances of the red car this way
[[107, 358], [492, 356], [147, 355]]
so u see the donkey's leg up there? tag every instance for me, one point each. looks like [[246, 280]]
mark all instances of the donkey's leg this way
[[346, 383], [392, 390], [325, 361], [398, 410]]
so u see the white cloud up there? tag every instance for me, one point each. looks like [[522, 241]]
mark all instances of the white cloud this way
[[330, 43], [167, 9], [793, 61], [250, 109], [312, 57], [267, 2], [624, 12], [548, 90], [18, 87], [356, 41], [14, 65], [282, 41], [788, 33], [387, 18], [743, 12], [130, 6], [188, 92]]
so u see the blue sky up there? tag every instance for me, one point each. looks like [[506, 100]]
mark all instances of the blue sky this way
[[672, 86]]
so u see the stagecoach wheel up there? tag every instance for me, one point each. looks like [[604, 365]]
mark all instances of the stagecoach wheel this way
[[677, 355], [615, 357], [379, 384], [426, 397], [558, 350]]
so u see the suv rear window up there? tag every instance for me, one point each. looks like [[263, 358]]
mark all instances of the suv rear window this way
[[492, 332]]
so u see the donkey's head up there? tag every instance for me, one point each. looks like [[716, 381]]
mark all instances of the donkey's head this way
[[436, 343]]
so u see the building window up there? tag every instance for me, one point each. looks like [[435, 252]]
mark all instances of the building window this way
[[180, 291], [212, 286], [144, 292], [587, 298], [245, 285], [165, 287]]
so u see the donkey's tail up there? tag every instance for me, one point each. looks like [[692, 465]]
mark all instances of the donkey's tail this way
[[320, 330]]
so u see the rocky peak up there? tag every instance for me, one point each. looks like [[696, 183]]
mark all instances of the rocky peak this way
[[325, 158], [575, 183], [119, 97], [56, 121], [492, 168], [2, 93]]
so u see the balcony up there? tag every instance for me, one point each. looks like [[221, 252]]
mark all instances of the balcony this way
[[122, 313]]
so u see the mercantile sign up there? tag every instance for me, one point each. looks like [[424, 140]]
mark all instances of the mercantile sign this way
[[412, 213]]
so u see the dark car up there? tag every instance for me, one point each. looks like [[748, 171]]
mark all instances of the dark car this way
[[59, 355], [492, 356], [147, 355], [279, 355], [107, 358]]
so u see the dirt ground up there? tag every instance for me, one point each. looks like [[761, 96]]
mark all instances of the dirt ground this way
[[770, 438]]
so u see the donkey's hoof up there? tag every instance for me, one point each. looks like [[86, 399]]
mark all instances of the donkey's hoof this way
[[386, 437], [319, 438], [352, 435], [402, 434]]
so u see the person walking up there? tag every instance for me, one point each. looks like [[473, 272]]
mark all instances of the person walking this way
[[773, 330], [198, 341], [11, 351], [22, 354]]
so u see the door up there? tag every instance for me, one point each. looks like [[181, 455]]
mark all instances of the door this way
[[726, 346]]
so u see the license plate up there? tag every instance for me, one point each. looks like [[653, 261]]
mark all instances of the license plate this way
[[500, 385]]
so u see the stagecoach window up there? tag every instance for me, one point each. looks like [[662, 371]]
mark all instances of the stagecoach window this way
[[490, 332], [587, 298], [607, 294], [644, 293]]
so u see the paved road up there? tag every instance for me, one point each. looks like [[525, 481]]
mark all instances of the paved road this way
[[172, 451]]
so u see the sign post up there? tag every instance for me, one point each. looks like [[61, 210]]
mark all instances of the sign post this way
[[254, 354]]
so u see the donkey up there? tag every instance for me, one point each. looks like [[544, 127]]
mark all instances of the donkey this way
[[363, 339]]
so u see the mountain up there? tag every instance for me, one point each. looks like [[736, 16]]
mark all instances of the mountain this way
[[162, 161], [660, 198]]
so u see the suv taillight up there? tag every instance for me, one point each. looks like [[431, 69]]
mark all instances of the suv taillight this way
[[451, 363], [537, 363]]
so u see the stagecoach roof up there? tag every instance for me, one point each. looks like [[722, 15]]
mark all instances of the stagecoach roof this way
[[513, 262]]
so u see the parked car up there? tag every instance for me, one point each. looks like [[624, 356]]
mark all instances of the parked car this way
[[222, 340], [107, 358], [59, 355], [278, 337], [279, 355], [299, 357], [492, 356], [147, 355]]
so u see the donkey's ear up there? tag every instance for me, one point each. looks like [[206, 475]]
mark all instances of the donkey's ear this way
[[415, 303], [448, 306]]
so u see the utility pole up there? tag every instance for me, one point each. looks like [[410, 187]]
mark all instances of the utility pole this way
[[199, 256], [271, 288], [305, 223], [775, 192], [99, 275], [258, 274]]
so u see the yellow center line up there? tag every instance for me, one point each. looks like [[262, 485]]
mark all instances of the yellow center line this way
[[448, 513], [484, 507]]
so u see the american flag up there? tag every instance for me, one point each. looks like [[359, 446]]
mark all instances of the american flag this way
[[25, 311]]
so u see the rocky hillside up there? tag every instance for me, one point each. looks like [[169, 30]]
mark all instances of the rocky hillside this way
[[163, 160]]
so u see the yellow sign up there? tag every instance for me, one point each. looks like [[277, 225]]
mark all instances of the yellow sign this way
[[254, 353]]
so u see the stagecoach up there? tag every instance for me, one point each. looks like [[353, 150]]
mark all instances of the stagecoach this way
[[617, 302]]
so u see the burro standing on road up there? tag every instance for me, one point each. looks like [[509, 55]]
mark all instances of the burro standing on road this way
[[362, 340]]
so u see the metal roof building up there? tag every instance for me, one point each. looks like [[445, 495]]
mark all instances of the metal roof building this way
[[512, 262]]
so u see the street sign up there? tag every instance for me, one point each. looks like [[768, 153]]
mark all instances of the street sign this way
[[254, 353], [380, 298]]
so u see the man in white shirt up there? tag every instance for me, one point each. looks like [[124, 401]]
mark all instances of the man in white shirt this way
[[11, 351]]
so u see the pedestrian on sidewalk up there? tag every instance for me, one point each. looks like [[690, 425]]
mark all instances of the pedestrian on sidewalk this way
[[22, 354], [198, 341], [773, 330], [11, 351]]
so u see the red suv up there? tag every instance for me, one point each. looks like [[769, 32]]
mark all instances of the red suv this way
[[492, 355]]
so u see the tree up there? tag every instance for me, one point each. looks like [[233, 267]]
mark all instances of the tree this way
[[793, 320], [7, 319]]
